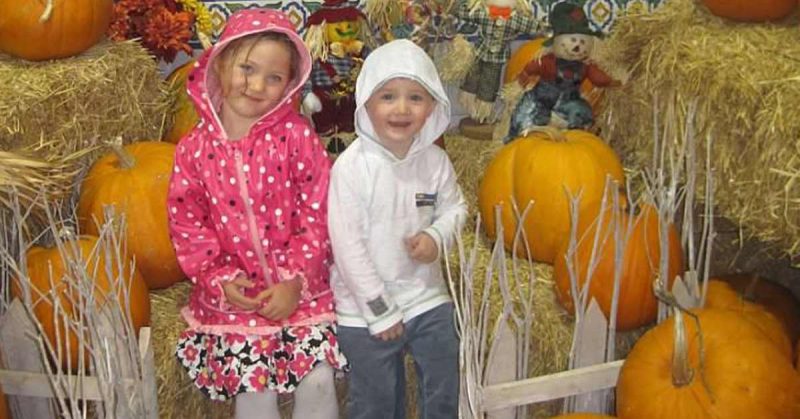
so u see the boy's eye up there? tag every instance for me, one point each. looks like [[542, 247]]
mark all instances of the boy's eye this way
[[387, 96], [417, 98]]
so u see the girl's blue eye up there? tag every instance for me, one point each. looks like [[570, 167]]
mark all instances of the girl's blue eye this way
[[246, 68], [275, 78]]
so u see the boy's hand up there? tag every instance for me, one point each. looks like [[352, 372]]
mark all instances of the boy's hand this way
[[391, 333], [422, 248], [235, 295], [281, 299]]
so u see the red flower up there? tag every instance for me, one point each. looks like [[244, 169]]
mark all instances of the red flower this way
[[264, 346], [203, 379], [300, 332], [190, 353], [281, 370], [259, 378], [301, 363]]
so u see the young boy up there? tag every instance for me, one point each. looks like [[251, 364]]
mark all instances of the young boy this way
[[393, 207]]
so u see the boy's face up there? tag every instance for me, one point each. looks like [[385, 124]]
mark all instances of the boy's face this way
[[398, 111], [257, 80]]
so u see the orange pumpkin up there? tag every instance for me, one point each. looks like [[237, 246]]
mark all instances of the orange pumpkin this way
[[539, 168], [722, 296], [532, 49], [583, 416], [751, 11], [184, 115], [135, 179], [770, 295], [48, 29], [637, 305], [41, 262], [737, 373]]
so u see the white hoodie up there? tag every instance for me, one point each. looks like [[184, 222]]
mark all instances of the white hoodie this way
[[376, 200]]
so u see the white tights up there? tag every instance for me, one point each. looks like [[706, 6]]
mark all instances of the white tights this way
[[314, 398]]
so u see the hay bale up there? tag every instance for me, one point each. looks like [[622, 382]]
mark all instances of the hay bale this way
[[55, 114], [681, 53], [113, 89]]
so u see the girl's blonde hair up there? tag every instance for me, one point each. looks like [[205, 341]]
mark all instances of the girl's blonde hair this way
[[223, 64]]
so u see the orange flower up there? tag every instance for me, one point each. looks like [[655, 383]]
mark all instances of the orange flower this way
[[164, 28]]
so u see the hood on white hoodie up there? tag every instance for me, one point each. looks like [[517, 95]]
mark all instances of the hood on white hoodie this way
[[401, 59]]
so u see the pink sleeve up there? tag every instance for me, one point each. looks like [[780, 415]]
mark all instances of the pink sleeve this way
[[309, 250], [192, 231]]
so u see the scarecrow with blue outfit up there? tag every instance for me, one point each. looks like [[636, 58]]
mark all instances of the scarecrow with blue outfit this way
[[556, 98]]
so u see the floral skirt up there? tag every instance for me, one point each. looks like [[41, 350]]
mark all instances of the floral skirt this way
[[224, 366]]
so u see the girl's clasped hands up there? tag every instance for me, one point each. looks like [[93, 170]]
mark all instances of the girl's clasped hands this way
[[277, 302]]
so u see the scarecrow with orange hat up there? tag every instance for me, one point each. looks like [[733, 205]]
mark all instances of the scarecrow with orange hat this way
[[335, 34]]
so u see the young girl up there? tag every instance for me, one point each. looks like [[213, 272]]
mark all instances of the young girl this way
[[248, 221]]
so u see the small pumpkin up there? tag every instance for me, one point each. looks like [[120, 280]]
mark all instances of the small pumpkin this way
[[184, 114], [41, 262], [583, 416], [737, 373], [541, 167], [49, 29], [722, 296], [751, 11], [532, 49], [772, 296], [637, 305], [135, 180]]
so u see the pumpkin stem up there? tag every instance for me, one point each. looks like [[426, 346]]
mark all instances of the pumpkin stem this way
[[126, 161], [682, 372], [554, 134], [48, 10]]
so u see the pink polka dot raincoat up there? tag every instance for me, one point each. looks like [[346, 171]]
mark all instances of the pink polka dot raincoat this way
[[255, 206]]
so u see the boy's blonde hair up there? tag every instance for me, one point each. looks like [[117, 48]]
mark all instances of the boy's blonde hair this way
[[223, 64]]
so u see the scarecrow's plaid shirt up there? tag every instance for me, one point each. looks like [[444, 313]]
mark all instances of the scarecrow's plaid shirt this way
[[320, 77], [496, 34]]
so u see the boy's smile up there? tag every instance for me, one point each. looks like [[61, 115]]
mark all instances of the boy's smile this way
[[398, 111]]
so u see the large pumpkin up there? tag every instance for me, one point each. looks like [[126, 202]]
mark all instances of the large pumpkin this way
[[135, 179], [184, 115], [541, 168], [532, 49], [637, 305], [41, 262], [722, 296], [47, 29], [736, 373], [770, 295], [583, 416], [751, 11]]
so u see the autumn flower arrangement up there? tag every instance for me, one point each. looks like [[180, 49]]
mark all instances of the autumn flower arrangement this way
[[164, 27]]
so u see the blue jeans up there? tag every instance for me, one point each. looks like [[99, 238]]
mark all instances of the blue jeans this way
[[377, 373]]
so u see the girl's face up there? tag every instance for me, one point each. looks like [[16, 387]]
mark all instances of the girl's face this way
[[256, 80]]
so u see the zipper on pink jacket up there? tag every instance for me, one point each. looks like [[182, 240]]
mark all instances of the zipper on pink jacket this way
[[251, 218]]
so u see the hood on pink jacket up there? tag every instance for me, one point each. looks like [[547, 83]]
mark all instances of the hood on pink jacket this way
[[204, 86]]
